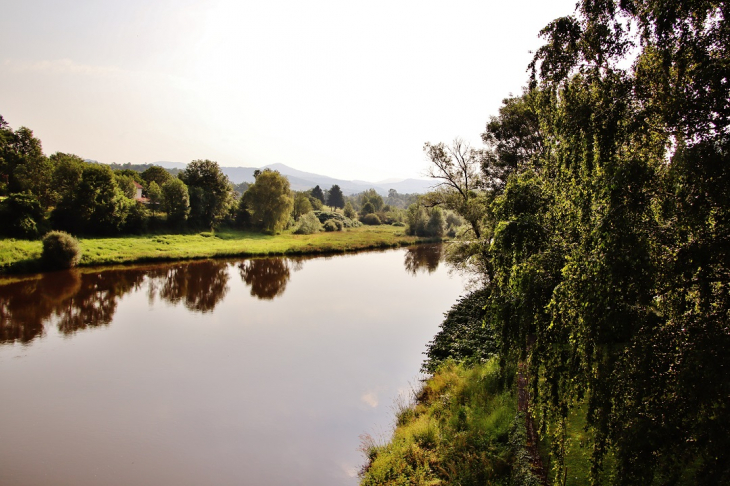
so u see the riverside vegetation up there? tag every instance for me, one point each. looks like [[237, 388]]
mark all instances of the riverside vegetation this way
[[143, 213], [598, 238]]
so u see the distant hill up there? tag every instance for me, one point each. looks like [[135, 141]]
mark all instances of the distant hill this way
[[302, 181]]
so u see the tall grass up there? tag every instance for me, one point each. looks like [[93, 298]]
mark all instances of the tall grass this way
[[457, 432]]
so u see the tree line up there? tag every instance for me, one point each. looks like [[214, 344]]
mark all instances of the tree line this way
[[598, 223], [65, 192]]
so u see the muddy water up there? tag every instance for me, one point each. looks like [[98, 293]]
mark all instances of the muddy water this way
[[262, 371]]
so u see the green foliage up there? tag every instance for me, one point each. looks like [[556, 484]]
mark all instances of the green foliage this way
[[156, 174], [335, 198], [125, 183], [95, 206], [318, 194], [456, 433], [370, 219], [269, 201], [367, 208], [175, 201], [21, 216], [333, 225], [599, 216], [463, 335], [67, 172], [349, 212], [60, 250], [209, 190], [308, 224], [154, 194], [424, 222], [334, 215], [302, 205]]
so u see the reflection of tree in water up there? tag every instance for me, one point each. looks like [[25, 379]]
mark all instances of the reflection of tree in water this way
[[268, 276], [200, 285], [78, 300], [423, 258], [95, 302], [81, 301]]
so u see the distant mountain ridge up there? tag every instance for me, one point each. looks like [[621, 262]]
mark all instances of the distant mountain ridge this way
[[302, 181]]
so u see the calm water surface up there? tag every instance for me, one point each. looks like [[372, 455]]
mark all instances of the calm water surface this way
[[246, 372]]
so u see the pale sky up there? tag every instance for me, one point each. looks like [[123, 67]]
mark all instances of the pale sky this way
[[347, 89]]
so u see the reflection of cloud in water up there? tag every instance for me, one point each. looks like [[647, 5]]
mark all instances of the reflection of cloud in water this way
[[423, 258], [370, 398]]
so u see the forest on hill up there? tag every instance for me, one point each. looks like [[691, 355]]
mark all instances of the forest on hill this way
[[599, 232]]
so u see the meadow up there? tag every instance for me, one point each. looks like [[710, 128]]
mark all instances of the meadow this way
[[18, 256]]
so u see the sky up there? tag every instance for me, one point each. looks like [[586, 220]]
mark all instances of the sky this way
[[348, 89]]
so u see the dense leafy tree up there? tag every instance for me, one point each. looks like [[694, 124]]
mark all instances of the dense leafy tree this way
[[67, 170], [317, 193], [175, 201], [154, 194], [335, 198], [22, 216], [97, 205], [209, 190], [349, 212], [269, 201], [156, 174], [301, 205], [602, 213]]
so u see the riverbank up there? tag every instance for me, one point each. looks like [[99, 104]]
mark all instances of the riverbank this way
[[21, 256]]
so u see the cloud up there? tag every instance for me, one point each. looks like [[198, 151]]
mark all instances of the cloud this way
[[61, 66], [370, 398]]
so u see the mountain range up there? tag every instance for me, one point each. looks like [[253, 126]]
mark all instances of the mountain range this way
[[302, 181]]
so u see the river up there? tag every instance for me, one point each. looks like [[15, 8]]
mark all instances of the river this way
[[217, 372]]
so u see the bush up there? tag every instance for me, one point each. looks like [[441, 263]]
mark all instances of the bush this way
[[60, 250], [332, 225], [308, 224], [398, 223], [21, 216], [370, 219], [346, 222]]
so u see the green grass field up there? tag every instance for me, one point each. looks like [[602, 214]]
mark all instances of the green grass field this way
[[24, 256]]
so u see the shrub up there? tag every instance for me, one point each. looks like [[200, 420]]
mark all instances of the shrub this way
[[332, 225], [21, 216], [371, 219], [398, 223], [60, 250], [308, 224], [346, 222]]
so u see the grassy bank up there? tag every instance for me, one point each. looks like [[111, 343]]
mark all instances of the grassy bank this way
[[458, 432], [24, 256]]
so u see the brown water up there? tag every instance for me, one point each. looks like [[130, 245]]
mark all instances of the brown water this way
[[247, 372]]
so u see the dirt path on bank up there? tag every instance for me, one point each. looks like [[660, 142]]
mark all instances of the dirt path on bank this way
[[523, 405]]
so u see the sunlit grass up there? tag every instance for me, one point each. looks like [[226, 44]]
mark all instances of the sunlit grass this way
[[456, 433], [21, 255]]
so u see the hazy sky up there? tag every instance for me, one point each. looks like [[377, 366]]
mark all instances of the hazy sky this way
[[343, 88]]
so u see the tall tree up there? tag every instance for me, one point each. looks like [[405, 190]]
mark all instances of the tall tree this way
[[317, 193], [210, 192], [175, 201], [460, 185], [269, 201], [335, 198]]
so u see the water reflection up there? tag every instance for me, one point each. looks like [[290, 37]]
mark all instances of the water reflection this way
[[77, 300], [423, 258], [267, 277], [200, 286]]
